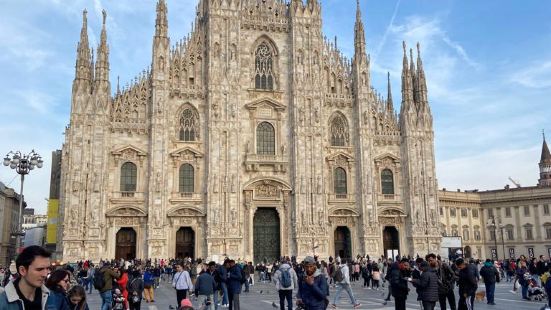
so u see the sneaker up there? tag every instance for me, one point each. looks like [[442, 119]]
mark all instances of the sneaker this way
[[356, 306], [385, 302], [492, 303], [333, 306]]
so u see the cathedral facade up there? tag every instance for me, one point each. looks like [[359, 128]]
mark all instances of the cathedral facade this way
[[253, 137]]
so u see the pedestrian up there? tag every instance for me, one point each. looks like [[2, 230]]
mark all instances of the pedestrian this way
[[108, 274], [313, 291], [399, 275], [135, 288], [467, 283], [181, 282], [521, 274], [205, 286], [57, 283], [342, 282], [213, 271], [447, 278], [428, 285], [375, 277], [186, 305], [223, 272], [490, 275], [148, 282], [234, 281], [286, 280], [76, 297], [122, 282], [247, 274]]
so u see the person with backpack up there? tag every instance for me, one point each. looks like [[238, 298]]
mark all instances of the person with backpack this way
[[285, 279], [446, 280], [103, 282], [234, 281], [342, 281], [135, 288], [490, 275]]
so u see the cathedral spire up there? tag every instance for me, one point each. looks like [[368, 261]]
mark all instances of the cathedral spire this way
[[359, 32], [421, 81], [83, 52], [407, 90], [101, 77], [545, 164], [161, 24], [413, 73], [389, 103]]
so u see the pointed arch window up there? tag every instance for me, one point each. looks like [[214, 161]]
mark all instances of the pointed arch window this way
[[387, 182], [264, 76], [189, 124], [339, 131], [265, 139], [187, 178], [340, 182], [129, 176]]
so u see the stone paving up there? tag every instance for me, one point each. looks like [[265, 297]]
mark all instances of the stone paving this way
[[264, 295]]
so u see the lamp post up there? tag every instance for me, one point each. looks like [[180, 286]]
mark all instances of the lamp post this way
[[23, 164], [492, 226], [502, 241]]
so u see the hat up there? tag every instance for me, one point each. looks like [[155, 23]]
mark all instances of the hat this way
[[309, 260], [338, 259], [186, 303]]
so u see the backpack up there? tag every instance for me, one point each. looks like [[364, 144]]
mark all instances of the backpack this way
[[243, 275], [338, 276], [286, 278], [99, 280]]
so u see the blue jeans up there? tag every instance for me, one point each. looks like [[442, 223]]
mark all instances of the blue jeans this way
[[106, 300], [346, 287], [247, 285], [224, 293], [524, 290], [490, 290]]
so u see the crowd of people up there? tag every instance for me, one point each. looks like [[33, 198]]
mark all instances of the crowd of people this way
[[34, 283]]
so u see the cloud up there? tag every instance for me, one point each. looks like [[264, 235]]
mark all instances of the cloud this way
[[536, 76]]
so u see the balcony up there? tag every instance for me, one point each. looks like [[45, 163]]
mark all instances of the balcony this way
[[276, 163], [340, 198], [390, 199], [185, 197], [127, 197]]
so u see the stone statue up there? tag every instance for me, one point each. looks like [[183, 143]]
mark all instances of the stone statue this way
[[97, 182], [157, 219], [233, 183], [158, 182], [303, 217]]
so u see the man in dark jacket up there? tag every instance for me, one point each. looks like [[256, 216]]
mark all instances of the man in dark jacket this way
[[234, 283], [467, 284], [213, 271], [109, 274], [205, 286], [399, 275], [447, 278], [490, 275], [313, 290], [428, 285]]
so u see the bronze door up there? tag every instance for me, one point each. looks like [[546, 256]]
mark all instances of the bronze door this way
[[391, 242], [343, 244], [125, 244], [185, 243], [266, 242]]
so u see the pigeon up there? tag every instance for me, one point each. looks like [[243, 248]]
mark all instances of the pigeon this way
[[171, 307], [260, 291]]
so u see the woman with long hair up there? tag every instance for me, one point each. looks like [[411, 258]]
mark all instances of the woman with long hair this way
[[57, 283], [77, 298], [122, 281]]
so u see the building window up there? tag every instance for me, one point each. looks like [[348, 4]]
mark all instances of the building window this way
[[529, 235], [475, 213], [508, 212], [547, 232], [189, 124], [441, 211], [465, 234], [546, 209], [510, 234], [265, 139], [340, 181], [387, 182], [264, 75], [187, 178], [464, 212], [339, 130], [477, 235], [526, 210], [492, 235], [490, 213], [129, 176], [452, 212]]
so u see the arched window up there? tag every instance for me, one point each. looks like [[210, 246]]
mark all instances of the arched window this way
[[189, 124], [129, 176], [265, 139], [263, 67], [387, 182], [339, 131], [340, 182], [465, 234], [187, 178]]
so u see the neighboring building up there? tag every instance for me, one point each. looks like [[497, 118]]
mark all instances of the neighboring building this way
[[502, 223], [9, 217], [253, 137], [31, 220], [55, 216]]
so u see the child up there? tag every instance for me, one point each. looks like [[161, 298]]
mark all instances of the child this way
[[186, 305], [77, 298], [118, 300]]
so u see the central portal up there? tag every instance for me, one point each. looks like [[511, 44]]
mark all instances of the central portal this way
[[266, 239], [125, 247], [391, 242], [185, 243], [343, 244]]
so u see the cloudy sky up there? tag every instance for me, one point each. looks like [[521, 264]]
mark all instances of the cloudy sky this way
[[488, 65]]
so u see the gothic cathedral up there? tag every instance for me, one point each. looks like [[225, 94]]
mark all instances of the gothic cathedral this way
[[253, 137]]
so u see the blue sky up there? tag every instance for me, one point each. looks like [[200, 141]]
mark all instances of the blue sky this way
[[488, 66]]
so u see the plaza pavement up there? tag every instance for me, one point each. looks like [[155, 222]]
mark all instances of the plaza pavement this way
[[262, 295]]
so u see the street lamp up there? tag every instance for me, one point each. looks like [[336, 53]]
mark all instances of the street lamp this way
[[494, 226], [23, 164]]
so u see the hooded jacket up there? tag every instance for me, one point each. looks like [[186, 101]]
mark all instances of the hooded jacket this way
[[314, 296], [489, 273], [278, 275], [9, 299]]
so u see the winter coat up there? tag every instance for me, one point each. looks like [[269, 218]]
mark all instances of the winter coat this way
[[9, 299], [205, 284], [234, 280], [467, 280], [57, 300], [108, 276], [278, 275], [397, 282], [427, 285], [489, 274], [314, 296]]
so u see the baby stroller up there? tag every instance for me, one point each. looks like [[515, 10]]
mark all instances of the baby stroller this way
[[535, 292]]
